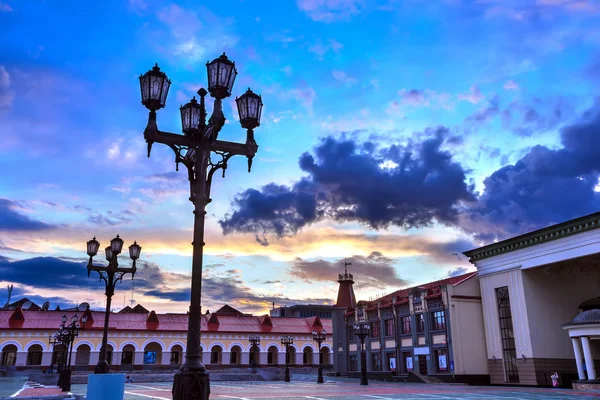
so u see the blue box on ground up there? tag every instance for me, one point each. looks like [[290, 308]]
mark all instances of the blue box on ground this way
[[105, 387]]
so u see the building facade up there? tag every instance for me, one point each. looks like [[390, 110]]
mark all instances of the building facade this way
[[431, 329], [533, 288], [148, 340]]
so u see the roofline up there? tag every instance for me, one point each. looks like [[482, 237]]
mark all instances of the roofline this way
[[553, 232], [474, 273]]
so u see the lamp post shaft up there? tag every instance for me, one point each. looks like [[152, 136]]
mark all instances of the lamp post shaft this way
[[363, 362], [192, 370], [320, 377], [287, 363], [103, 366]]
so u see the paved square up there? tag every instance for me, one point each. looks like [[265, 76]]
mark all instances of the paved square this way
[[347, 389]]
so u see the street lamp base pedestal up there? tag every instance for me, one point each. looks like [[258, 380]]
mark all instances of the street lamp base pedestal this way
[[191, 385]]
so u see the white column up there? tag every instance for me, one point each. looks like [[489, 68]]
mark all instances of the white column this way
[[138, 358], [578, 357], [281, 358], [46, 358], [94, 357], [116, 358], [226, 358], [245, 358], [263, 358], [299, 357], [21, 359], [589, 360], [166, 358]]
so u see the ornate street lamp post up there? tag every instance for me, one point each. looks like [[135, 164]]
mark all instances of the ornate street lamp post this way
[[254, 341], [287, 341], [111, 275], [196, 149], [320, 337], [66, 336], [362, 330]]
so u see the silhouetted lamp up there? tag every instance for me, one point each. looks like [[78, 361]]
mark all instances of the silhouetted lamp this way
[[221, 76], [249, 107], [154, 86]]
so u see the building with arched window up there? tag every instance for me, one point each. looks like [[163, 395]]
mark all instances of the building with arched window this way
[[141, 339]]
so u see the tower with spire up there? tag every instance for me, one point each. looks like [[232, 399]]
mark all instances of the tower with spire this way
[[346, 296]]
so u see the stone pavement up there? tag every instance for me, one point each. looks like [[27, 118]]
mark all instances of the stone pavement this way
[[350, 389]]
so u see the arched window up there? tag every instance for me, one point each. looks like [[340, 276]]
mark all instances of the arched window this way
[[9, 355], [34, 355], [152, 353], [307, 357], [127, 355], [82, 355], [272, 355], [176, 352], [59, 354], [235, 356], [215, 355]]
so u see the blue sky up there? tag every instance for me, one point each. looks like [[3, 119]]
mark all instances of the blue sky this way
[[394, 133]]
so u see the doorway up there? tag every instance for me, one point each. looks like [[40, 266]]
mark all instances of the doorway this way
[[422, 365]]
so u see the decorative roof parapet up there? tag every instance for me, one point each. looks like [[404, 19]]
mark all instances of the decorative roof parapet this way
[[550, 233]]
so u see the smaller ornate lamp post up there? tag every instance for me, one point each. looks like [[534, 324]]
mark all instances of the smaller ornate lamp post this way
[[320, 337], [362, 330], [287, 341], [254, 341], [66, 336], [111, 275]]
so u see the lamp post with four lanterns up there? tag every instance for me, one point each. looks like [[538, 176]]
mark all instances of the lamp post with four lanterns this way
[[362, 330], [287, 341], [254, 340], [66, 335], [200, 151], [111, 275], [320, 337]]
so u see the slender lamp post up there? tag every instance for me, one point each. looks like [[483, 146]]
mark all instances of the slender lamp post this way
[[362, 330], [66, 336], [287, 341], [254, 341], [200, 151], [320, 337], [111, 275]]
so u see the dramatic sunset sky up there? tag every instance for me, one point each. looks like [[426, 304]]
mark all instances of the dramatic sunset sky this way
[[394, 134]]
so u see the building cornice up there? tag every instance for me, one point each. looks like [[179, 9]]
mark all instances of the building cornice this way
[[554, 232]]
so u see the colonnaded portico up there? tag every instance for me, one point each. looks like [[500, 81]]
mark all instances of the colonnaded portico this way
[[531, 285]]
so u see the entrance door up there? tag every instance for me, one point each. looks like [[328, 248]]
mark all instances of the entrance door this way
[[423, 365]]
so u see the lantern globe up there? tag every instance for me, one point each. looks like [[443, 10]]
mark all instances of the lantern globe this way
[[154, 86], [116, 245], [190, 117], [134, 251], [221, 76], [249, 107], [64, 319], [108, 253], [92, 247]]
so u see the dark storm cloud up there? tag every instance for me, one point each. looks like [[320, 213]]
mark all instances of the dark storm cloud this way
[[12, 220], [406, 186], [539, 116], [229, 288], [486, 113], [373, 271], [545, 186]]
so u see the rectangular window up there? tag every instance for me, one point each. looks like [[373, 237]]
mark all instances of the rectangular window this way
[[441, 360], [353, 363], [509, 351], [389, 327], [438, 321], [150, 357], [420, 323], [351, 333], [374, 329], [406, 326], [127, 357], [375, 362]]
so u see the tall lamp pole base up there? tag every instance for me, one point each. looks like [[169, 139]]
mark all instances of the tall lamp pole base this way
[[191, 385], [287, 374], [320, 377]]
